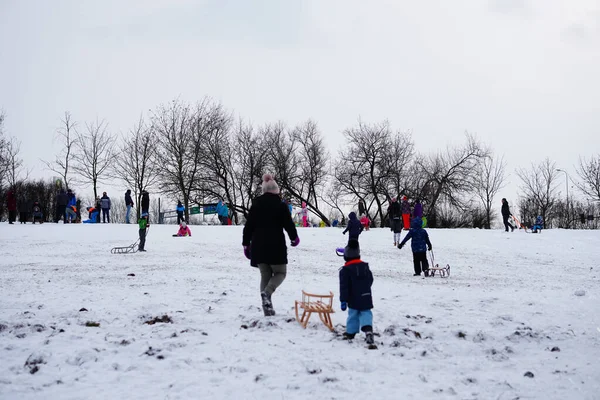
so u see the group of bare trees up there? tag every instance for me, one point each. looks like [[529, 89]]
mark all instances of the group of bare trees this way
[[541, 183], [86, 155], [11, 164], [199, 153], [379, 164]]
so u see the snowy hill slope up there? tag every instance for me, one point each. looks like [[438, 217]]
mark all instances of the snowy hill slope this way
[[511, 301]]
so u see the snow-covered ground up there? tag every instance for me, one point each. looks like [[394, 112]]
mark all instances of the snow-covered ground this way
[[515, 303]]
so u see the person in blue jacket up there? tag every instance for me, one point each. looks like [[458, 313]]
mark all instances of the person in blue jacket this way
[[93, 216], [71, 209], [356, 280], [420, 244], [539, 224], [354, 227], [180, 209], [223, 212]]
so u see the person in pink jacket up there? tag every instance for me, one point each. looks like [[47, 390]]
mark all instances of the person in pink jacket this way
[[304, 214], [184, 230]]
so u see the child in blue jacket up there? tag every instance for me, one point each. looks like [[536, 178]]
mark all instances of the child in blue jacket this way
[[539, 224], [356, 280], [180, 210], [354, 227], [420, 244]]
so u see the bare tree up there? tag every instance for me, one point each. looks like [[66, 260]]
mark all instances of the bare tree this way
[[67, 135], [334, 198], [250, 161], [184, 139], [368, 169], [589, 173], [298, 159], [397, 161], [94, 154], [13, 163], [210, 153], [172, 124], [135, 162], [449, 175], [3, 161], [539, 184], [487, 182], [312, 160]]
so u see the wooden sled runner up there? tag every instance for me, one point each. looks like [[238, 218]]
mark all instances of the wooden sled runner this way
[[321, 304], [442, 272]]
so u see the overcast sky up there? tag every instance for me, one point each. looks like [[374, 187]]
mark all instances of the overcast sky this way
[[521, 74]]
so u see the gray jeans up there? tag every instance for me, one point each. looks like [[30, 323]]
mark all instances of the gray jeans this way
[[271, 276]]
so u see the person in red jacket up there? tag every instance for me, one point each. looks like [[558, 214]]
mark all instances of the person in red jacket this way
[[184, 230], [405, 212], [12, 206]]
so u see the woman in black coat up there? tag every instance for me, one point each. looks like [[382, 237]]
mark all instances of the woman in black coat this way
[[505, 215], [362, 209], [145, 202], [264, 241]]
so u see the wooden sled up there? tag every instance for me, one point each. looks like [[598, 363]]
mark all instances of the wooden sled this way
[[442, 272], [321, 304], [519, 224]]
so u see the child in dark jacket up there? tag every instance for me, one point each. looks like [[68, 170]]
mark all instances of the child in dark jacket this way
[[356, 280], [354, 227], [37, 213], [420, 244]]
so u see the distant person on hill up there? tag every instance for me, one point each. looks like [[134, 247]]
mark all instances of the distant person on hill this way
[[24, 208], [539, 224], [505, 215], [61, 200], [105, 205], [418, 209], [37, 213], [92, 216], [405, 212], [128, 204], [394, 215], [183, 231], [180, 210], [71, 208], [145, 202], [362, 209], [98, 207], [365, 222], [223, 212], [304, 214], [11, 202]]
